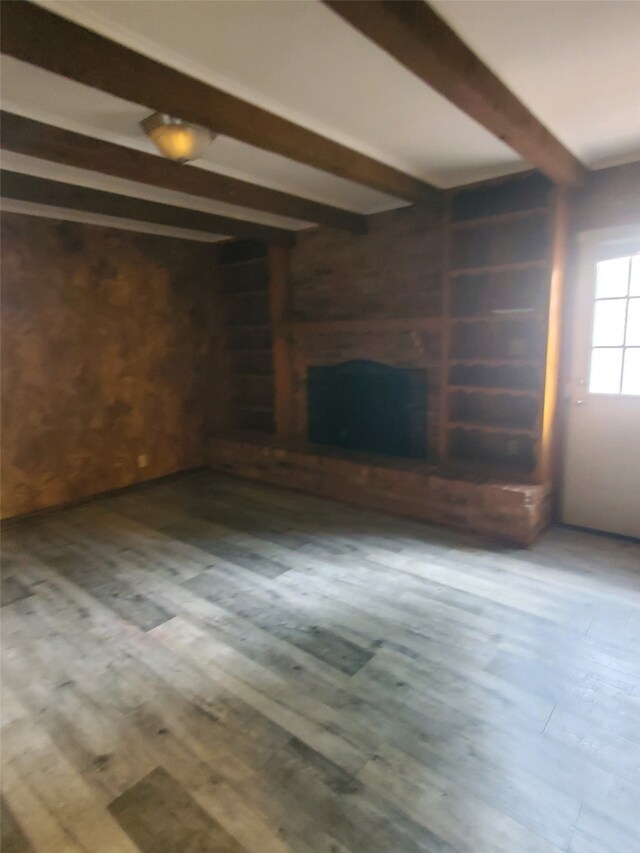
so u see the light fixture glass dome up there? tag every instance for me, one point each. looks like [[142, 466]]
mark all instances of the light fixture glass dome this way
[[176, 139]]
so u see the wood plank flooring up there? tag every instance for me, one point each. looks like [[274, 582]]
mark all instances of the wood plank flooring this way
[[206, 664]]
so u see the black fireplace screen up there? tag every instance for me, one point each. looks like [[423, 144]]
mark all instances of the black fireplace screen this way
[[365, 405]]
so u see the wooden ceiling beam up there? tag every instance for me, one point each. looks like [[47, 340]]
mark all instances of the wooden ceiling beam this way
[[35, 139], [39, 37], [419, 39], [21, 187]]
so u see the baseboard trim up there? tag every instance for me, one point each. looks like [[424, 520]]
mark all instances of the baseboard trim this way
[[28, 516], [605, 533]]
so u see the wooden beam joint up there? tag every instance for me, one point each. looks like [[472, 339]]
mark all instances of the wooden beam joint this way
[[48, 41], [21, 187], [421, 41], [46, 142]]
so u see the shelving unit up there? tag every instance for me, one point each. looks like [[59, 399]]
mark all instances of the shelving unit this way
[[500, 273], [245, 289], [510, 266], [476, 426], [513, 392]]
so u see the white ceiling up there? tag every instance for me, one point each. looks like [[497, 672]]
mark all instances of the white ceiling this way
[[576, 65], [573, 63]]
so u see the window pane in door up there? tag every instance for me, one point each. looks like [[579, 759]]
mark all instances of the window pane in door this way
[[612, 278], [608, 323], [634, 287], [606, 370], [631, 375], [633, 323]]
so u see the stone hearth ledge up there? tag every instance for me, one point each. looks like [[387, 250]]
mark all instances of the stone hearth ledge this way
[[509, 512]]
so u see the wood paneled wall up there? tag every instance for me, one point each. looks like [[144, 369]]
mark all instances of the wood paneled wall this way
[[394, 270], [350, 295], [110, 352], [113, 346], [611, 197]]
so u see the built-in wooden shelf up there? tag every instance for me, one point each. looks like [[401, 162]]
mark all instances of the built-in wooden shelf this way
[[483, 470], [525, 314], [480, 389], [265, 410], [499, 218], [262, 292], [243, 263], [248, 326], [512, 267], [373, 325], [245, 276], [502, 241], [482, 427], [498, 362]]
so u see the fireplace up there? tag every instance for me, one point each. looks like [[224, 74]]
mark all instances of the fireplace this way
[[369, 406]]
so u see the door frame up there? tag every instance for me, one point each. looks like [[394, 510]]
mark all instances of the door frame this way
[[582, 253]]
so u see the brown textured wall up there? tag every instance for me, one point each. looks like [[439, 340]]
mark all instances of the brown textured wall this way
[[393, 271], [109, 344]]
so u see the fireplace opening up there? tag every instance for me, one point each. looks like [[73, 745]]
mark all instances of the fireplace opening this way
[[369, 406]]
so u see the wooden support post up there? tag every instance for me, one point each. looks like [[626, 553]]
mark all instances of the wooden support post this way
[[279, 294], [445, 343], [547, 457]]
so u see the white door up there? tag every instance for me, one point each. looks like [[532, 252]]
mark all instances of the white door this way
[[602, 440]]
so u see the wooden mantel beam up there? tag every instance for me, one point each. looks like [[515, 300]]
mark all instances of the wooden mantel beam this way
[[39, 37], [35, 139], [21, 187], [411, 32]]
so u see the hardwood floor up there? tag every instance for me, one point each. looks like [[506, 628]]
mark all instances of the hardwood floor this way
[[205, 664]]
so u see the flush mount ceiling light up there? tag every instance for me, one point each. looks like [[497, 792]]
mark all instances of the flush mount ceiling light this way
[[176, 139]]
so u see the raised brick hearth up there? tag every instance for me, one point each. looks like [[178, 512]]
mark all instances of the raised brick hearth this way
[[506, 511]]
